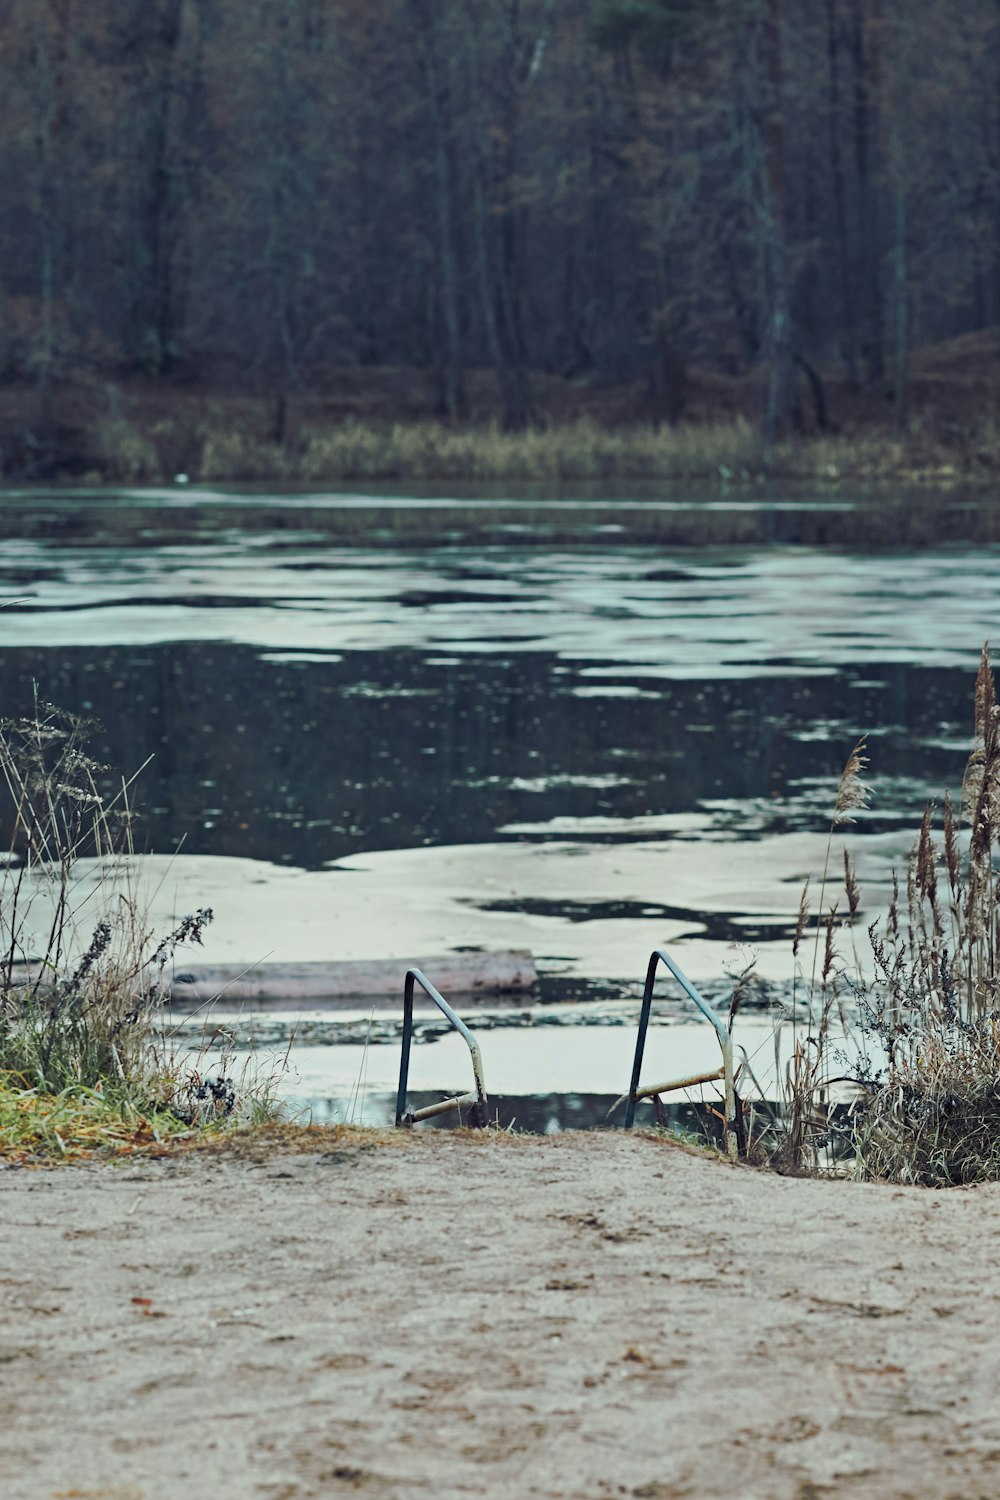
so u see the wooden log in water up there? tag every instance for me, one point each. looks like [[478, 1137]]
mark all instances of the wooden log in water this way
[[477, 975]]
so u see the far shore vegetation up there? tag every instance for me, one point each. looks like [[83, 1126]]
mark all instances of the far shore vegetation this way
[[366, 425], [679, 212]]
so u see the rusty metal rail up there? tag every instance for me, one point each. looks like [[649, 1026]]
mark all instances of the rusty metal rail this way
[[726, 1072], [475, 1102]]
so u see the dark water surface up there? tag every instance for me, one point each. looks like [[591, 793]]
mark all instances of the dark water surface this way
[[540, 1114], [317, 676]]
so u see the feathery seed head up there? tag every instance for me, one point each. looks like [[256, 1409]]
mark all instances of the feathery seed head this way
[[852, 794], [801, 919], [851, 886]]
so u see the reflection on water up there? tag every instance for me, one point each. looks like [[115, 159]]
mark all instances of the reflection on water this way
[[540, 1114], [304, 762]]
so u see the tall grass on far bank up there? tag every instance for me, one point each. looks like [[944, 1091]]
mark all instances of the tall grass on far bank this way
[[431, 450], [82, 973], [725, 452], [914, 1033]]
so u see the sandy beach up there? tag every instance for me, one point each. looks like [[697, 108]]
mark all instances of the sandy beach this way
[[581, 1316]]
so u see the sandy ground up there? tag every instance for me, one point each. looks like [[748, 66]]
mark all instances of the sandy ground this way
[[585, 1316]]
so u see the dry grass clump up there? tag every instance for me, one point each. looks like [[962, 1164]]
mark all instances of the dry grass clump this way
[[123, 452], [932, 1115], [723, 452], [81, 970], [917, 1044], [358, 450], [227, 453], [934, 1118], [232, 443], [78, 1124], [726, 451], [576, 450]]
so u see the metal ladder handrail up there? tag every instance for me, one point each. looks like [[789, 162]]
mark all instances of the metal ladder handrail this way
[[476, 1102], [658, 956]]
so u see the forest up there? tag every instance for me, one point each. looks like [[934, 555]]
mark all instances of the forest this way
[[677, 200]]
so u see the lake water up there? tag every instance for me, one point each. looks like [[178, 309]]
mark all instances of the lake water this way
[[324, 678]]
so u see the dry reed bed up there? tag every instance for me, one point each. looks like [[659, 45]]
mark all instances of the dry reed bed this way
[[725, 451], [918, 1044]]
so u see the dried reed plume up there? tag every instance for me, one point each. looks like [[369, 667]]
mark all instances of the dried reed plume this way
[[952, 857], [829, 946], [851, 887], [852, 793], [852, 796], [801, 920], [981, 783], [741, 983], [925, 868], [892, 915]]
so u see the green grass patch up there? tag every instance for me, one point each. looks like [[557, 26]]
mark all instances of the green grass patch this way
[[78, 1124]]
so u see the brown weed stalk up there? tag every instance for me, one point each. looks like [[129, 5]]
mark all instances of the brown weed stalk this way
[[924, 1057]]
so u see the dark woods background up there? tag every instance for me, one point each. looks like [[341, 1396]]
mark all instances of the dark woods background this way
[[602, 190]]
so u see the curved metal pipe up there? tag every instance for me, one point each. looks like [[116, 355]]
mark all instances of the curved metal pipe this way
[[476, 1100], [658, 956]]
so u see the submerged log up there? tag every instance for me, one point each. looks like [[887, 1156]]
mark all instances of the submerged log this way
[[380, 980]]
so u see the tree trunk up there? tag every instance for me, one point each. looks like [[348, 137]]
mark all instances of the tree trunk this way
[[846, 312], [152, 312], [440, 106], [780, 390], [901, 313], [866, 60], [497, 250]]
